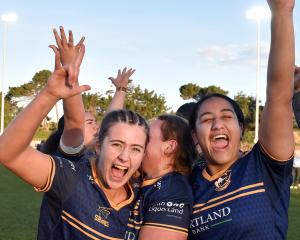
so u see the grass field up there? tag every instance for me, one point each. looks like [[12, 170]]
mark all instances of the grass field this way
[[19, 209]]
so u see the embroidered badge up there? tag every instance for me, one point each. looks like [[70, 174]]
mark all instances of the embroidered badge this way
[[223, 182]]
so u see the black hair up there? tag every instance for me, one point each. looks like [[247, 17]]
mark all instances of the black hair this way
[[185, 110], [238, 111]]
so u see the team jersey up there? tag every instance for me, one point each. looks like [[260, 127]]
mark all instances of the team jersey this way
[[75, 205], [163, 203], [247, 201]]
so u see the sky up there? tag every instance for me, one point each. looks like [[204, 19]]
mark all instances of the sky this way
[[169, 42]]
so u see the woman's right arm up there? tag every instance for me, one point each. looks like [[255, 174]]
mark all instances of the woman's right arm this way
[[15, 151]]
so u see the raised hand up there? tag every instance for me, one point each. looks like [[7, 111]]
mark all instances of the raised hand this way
[[122, 79], [68, 53], [58, 83]]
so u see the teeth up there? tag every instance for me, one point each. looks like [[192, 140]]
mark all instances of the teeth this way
[[120, 167], [220, 136]]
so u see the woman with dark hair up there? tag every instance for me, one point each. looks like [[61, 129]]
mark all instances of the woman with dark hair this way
[[247, 196], [163, 207]]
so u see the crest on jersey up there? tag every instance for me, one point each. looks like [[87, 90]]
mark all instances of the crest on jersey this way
[[223, 182], [102, 215]]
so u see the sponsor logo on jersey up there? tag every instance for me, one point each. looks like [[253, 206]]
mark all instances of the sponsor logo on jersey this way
[[223, 182], [210, 220]]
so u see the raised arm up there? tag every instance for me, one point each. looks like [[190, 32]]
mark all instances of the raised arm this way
[[120, 82], [15, 152], [276, 129], [296, 97], [74, 114]]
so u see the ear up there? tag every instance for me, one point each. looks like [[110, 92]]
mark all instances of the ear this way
[[170, 147], [194, 136]]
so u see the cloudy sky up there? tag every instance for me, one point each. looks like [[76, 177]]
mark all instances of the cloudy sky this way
[[168, 42]]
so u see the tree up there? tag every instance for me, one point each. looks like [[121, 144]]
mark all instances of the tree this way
[[193, 91], [189, 91], [10, 110], [31, 88], [145, 102]]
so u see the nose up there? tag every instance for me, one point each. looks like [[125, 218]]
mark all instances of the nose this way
[[217, 124], [124, 155]]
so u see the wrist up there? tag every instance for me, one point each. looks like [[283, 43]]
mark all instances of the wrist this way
[[49, 95], [123, 89]]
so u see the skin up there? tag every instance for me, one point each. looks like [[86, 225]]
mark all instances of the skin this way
[[91, 128], [158, 158], [123, 146], [216, 117]]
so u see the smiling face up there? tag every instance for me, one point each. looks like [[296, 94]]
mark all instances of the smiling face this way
[[121, 154], [90, 129], [218, 132]]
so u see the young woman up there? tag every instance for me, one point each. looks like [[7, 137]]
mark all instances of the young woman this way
[[82, 200], [163, 207], [247, 197]]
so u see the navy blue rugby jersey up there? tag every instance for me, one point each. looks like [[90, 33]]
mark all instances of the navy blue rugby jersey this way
[[163, 203], [247, 201], [75, 205]]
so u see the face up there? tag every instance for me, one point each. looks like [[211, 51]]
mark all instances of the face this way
[[218, 131], [90, 129], [121, 154], [154, 150]]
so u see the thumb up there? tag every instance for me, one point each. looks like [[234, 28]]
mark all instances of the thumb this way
[[57, 64], [81, 89]]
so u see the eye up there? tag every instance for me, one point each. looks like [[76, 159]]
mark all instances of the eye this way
[[137, 149], [117, 145], [227, 117], [206, 120]]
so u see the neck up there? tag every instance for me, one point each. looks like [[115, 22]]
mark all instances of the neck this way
[[116, 195], [159, 173]]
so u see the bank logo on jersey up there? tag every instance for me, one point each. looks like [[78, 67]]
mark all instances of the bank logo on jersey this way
[[223, 182], [102, 215]]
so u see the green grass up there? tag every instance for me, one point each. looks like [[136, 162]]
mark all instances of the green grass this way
[[19, 209]]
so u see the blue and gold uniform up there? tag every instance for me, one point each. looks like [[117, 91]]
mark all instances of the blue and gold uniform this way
[[75, 205], [163, 203], [247, 201]]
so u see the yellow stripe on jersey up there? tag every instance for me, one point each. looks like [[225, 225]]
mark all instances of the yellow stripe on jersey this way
[[132, 220], [230, 199], [81, 225], [167, 229], [166, 226], [132, 226], [49, 178], [230, 193]]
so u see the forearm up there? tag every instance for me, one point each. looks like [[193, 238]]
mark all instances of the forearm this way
[[281, 59], [19, 133], [74, 117], [117, 101]]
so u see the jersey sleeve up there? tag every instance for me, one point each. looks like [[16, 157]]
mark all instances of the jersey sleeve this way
[[277, 175], [169, 208], [62, 178]]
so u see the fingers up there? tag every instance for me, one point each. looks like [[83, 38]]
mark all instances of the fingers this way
[[79, 44], [80, 56], [57, 38], [71, 39], [57, 64], [63, 36]]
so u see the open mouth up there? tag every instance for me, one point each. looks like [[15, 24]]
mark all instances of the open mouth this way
[[220, 141], [118, 171]]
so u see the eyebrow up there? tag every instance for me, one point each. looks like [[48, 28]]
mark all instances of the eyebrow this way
[[223, 110], [135, 145]]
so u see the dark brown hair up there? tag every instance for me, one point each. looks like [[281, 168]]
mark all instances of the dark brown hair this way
[[176, 128]]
